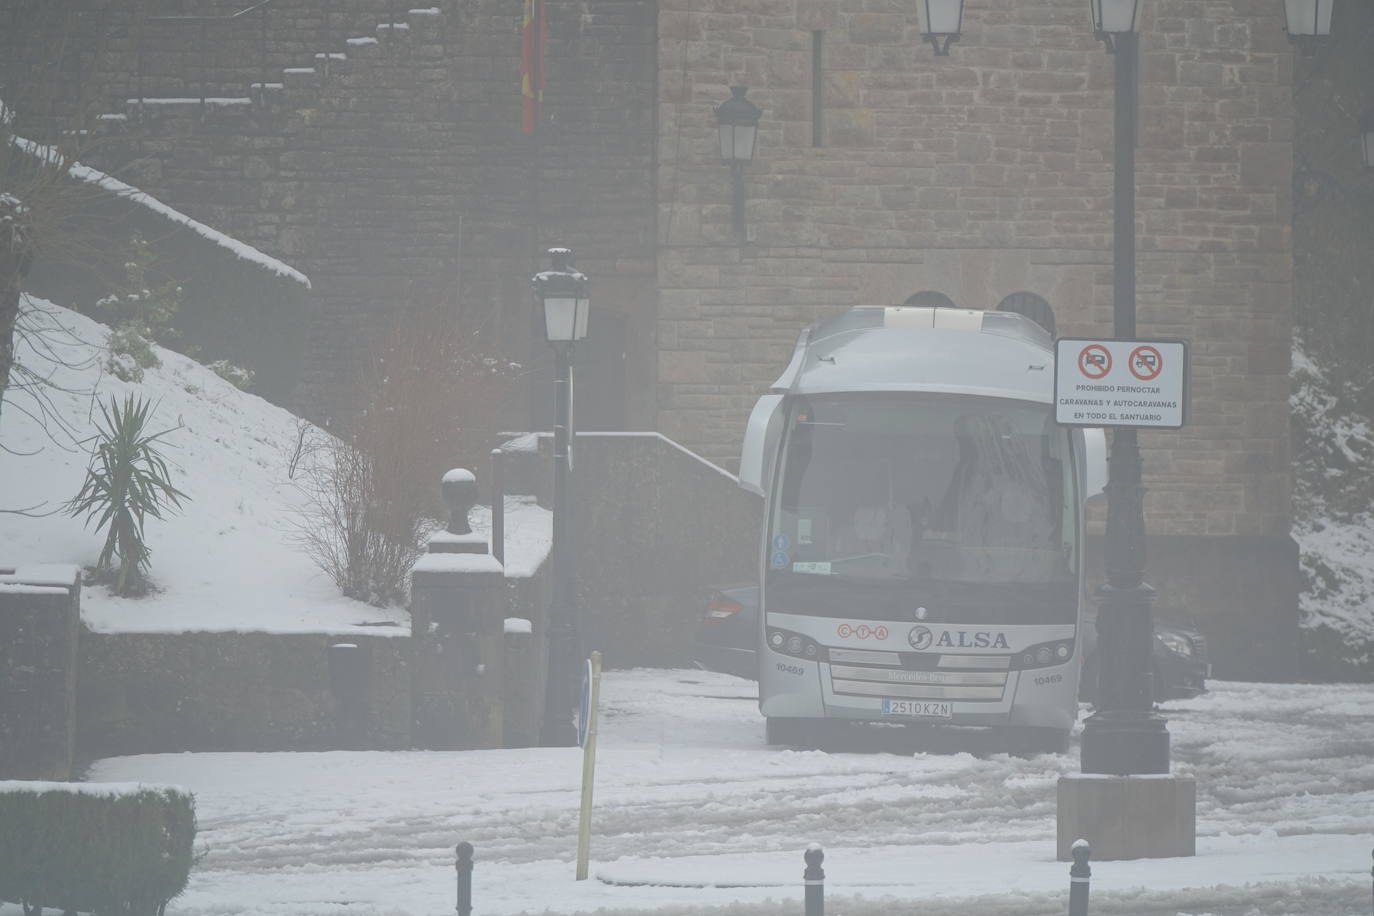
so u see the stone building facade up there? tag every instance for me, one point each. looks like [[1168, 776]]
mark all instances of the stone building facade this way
[[986, 173], [393, 171]]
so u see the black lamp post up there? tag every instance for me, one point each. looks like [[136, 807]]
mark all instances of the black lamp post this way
[[563, 292], [1307, 18], [1124, 736], [1367, 138], [737, 119], [943, 20]]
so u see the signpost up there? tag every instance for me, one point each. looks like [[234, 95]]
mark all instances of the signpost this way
[[1139, 383], [586, 736]]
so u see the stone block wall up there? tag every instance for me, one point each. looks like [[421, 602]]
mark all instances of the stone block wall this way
[[145, 693], [982, 174], [394, 171], [40, 613]]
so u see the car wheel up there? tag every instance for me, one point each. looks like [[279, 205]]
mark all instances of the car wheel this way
[[803, 733]]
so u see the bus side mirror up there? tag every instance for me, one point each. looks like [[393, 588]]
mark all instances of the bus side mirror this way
[[759, 451], [1094, 462]]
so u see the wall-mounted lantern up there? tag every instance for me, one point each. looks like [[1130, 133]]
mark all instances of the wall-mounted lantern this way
[[1307, 18], [1115, 17], [943, 20], [737, 119]]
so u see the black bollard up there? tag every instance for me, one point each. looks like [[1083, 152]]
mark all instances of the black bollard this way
[[1078, 878], [464, 867], [814, 878]]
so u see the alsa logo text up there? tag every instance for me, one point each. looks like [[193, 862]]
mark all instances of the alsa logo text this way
[[922, 638]]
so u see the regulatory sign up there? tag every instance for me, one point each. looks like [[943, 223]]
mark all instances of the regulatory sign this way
[[1140, 383]]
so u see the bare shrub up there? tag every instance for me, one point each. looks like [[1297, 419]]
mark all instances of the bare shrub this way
[[437, 402], [346, 525]]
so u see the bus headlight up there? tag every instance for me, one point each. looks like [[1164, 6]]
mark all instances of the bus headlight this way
[[788, 643], [1043, 655]]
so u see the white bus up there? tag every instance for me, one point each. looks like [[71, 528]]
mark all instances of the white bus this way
[[922, 555]]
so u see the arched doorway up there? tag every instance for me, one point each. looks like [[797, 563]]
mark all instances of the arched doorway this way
[[930, 298], [1034, 307]]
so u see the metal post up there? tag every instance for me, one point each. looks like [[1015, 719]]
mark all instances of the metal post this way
[[463, 865], [204, 64], [262, 45], [140, 27], [498, 505], [814, 879], [737, 199], [560, 690], [328, 37], [1079, 873], [1125, 736]]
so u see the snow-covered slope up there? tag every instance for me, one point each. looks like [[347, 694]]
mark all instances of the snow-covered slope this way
[[227, 561]]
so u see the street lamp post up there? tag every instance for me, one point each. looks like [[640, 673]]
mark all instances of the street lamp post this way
[[563, 292], [737, 120], [1124, 736]]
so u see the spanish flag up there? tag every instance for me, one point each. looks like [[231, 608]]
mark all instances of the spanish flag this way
[[534, 33]]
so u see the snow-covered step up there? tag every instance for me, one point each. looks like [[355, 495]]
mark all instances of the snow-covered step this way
[[267, 92], [363, 46], [298, 77], [179, 101], [188, 106]]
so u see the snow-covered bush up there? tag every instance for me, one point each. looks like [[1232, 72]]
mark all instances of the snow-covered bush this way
[[129, 353], [237, 376], [140, 312], [1333, 518], [114, 848]]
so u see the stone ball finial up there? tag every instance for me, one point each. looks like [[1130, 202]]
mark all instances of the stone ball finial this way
[[813, 857], [460, 494]]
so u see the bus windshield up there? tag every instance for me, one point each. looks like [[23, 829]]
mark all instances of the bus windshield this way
[[964, 505]]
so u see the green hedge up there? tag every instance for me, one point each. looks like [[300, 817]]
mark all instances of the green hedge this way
[[95, 848]]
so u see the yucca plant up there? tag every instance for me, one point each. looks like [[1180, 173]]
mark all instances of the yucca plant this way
[[127, 481]]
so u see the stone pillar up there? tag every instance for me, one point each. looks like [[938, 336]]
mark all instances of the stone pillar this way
[[457, 613], [40, 616]]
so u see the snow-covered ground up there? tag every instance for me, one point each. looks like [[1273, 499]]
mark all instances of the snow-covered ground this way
[[228, 561], [692, 810]]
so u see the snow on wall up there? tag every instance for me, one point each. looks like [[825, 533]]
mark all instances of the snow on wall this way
[[99, 789], [128, 192]]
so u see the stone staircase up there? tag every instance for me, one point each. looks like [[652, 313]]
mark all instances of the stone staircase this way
[[297, 88]]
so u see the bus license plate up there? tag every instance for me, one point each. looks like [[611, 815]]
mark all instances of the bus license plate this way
[[919, 708]]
